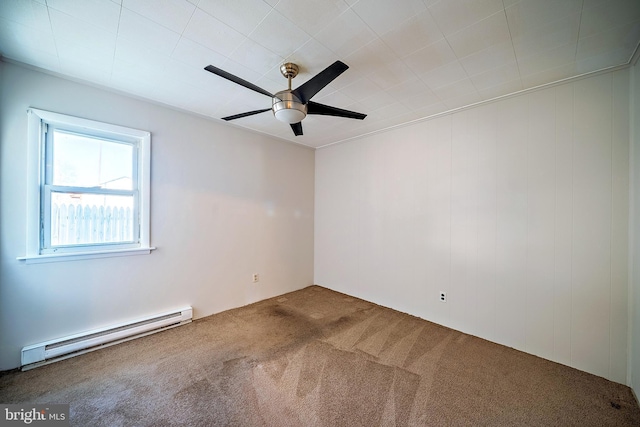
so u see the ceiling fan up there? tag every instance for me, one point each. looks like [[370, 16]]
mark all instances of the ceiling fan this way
[[291, 106]]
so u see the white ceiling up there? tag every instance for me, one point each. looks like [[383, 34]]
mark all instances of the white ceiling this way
[[408, 59]]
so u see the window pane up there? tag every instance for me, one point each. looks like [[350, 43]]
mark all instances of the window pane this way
[[80, 219], [81, 161]]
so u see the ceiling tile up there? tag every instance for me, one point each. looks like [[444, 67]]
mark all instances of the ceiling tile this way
[[383, 16], [311, 58], [369, 58], [172, 14], [430, 110], [411, 87], [239, 70], [454, 15], [597, 62], [504, 88], [212, 33], [83, 33], [279, 35], [142, 30], [335, 98], [430, 3], [458, 89], [252, 55], [311, 15], [614, 41], [100, 13], [608, 15], [195, 54], [84, 56], [241, 15], [419, 101], [531, 16], [430, 57], [388, 111], [346, 34], [412, 35], [29, 13], [389, 75], [360, 89], [486, 59], [481, 35], [548, 59], [82, 68], [16, 38], [246, 100], [134, 51], [196, 76], [547, 36], [462, 100], [548, 75], [496, 76], [445, 75], [273, 83], [135, 77]]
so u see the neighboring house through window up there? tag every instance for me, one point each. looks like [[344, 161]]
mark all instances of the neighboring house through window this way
[[87, 188]]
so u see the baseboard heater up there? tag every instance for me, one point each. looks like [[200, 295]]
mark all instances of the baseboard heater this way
[[74, 345]]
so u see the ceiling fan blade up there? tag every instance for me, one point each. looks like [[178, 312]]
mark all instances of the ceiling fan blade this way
[[217, 71], [297, 128], [326, 110], [248, 113], [320, 80]]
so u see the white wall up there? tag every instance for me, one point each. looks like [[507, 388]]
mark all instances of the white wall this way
[[225, 203], [635, 230], [518, 209]]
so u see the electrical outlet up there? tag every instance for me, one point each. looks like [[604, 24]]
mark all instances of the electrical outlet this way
[[443, 296], [255, 277]]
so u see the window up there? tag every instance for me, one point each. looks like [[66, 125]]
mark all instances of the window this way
[[87, 189]]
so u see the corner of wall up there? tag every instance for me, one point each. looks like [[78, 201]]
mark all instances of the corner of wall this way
[[633, 374]]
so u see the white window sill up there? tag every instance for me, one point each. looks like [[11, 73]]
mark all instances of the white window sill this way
[[75, 256]]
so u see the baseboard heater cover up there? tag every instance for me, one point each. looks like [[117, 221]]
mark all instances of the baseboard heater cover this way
[[74, 345]]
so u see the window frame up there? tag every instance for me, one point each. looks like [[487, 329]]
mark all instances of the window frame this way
[[38, 188]]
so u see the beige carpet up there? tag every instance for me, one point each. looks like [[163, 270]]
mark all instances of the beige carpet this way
[[316, 357]]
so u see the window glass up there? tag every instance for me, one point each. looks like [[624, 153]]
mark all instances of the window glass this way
[[81, 161]]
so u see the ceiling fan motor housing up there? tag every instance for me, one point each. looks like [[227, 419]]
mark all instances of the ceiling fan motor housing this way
[[288, 108], [292, 106]]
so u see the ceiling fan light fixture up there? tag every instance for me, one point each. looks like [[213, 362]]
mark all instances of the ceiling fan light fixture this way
[[287, 107], [292, 106]]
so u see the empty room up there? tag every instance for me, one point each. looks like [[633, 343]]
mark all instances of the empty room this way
[[319, 212]]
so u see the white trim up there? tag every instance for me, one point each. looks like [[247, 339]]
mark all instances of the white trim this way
[[480, 103], [86, 125], [75, 256], [35, 180], [144, 190], [634, 239]]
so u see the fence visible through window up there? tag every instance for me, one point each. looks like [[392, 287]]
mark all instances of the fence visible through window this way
[[77, 224]]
